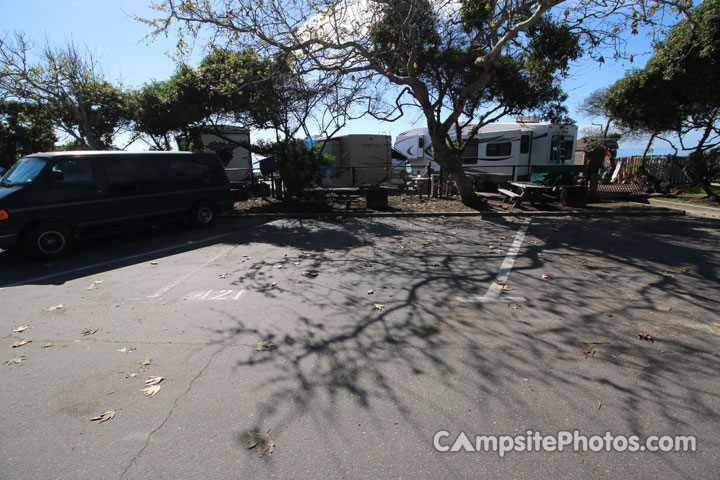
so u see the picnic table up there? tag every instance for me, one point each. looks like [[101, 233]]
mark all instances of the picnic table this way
[[376, 196], [346, 195], [525, 191]]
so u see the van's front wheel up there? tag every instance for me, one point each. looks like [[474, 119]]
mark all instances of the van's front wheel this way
[[48, 240], [202, 214]]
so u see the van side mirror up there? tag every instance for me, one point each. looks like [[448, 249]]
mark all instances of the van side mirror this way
[[57, 176]]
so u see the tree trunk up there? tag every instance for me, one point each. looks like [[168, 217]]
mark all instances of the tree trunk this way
[[453, 167], [653, 183], [696, 177]]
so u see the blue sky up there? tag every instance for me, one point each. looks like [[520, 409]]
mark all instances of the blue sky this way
[[107, 28]]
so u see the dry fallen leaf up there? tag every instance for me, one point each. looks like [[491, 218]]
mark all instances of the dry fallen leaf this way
[[547, 276], [262, 441], [89, 331], [264, 345], [21, 328], [685, 270], [20, 343], [16, 360], [152, 390], [378, 306], [154, 380], [599, 404], [94, 284], [104, 417]]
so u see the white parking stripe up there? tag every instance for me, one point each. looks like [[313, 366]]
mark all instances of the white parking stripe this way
[[182, 278], [494, 292], [115, 260]]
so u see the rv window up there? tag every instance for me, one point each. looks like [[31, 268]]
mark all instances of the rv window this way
[[525, 144], [499, 149], [421, 143], [470, 154]]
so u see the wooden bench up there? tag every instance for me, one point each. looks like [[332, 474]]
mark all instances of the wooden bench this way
[[510, 195]]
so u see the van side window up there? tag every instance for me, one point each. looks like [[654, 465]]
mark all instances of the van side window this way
[[73, 170], [186, 172], [499, 149], [131, 175]]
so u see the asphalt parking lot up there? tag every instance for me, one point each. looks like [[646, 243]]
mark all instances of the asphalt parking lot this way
[[386, 331]]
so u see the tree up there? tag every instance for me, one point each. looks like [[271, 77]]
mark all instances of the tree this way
[[486, 43], [164, 109], [24, 129], [68, 86], [677, 91], [299, 165]]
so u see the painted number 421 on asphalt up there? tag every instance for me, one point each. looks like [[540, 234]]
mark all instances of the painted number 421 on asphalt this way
[[215, 295]]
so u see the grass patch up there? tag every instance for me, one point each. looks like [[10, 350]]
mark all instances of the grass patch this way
[[697, 191], [688, 201]]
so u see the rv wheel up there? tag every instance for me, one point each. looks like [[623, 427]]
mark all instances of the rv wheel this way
[[202, 214], [47, 240]]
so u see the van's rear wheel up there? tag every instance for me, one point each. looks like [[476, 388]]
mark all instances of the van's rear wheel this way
[[202, 214], [48, 240]]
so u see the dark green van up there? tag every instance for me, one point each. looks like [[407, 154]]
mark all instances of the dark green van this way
[[47, 200]]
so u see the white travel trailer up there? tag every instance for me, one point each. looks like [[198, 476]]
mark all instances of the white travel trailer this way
[[499, 152]]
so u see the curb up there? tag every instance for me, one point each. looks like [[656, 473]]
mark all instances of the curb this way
[[695, 210], [658, 211]]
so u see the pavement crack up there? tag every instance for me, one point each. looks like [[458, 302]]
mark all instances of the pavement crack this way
[[172, 410]]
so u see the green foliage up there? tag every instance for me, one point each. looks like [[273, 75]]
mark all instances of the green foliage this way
[[705, 165], [237, 87], [677, 90], [66, 84], [161, 109], [299, 166], [643, 101], [522, 81], [24, 129]]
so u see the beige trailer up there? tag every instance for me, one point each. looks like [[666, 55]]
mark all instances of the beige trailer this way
[[360, 159]]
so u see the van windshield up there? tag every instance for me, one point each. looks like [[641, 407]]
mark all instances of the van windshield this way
[[25, 170]]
